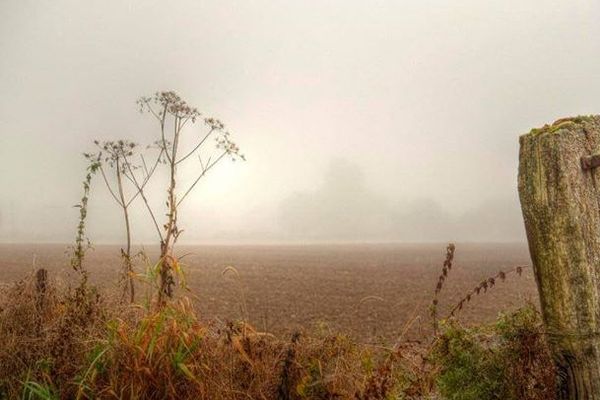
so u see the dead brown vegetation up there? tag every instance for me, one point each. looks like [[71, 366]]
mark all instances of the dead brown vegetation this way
[[64, 343]]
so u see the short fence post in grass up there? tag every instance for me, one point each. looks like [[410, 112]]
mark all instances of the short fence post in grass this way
[[41, 284], [559, 188]]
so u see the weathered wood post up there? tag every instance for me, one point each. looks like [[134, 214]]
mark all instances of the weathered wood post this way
[[559, 188]]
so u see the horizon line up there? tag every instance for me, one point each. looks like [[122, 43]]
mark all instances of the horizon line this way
[[281, 243]]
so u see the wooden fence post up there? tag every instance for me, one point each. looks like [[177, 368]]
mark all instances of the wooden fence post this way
[[41, 286], [559, 188]]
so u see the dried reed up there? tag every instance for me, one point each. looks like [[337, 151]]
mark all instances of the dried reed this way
[[483, 286], [446, 267]]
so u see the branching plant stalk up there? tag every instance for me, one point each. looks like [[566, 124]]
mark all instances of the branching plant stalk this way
[[166, 276], [125, 254], [115, 154], [171, 109], [141, 185], [81, 241]]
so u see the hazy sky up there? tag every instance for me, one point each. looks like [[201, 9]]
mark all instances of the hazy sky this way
[[374, 120]]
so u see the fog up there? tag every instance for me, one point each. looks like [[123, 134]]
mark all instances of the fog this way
[[360, 121]]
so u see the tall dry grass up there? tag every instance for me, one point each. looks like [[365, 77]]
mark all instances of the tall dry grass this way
[[96, 348], [63, 342]]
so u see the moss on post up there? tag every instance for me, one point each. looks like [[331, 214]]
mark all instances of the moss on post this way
[[561, 209]]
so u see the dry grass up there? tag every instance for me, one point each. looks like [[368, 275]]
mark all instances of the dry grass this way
[[64, 342], [88, 348], [288, 288], [42, 338]]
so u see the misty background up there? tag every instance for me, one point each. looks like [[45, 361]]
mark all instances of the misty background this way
[[361, 121]]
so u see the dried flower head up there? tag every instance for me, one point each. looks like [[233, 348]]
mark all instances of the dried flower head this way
[[113, 151], [168, 102]]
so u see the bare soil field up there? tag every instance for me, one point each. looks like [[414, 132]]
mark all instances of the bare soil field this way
[[369, 291]]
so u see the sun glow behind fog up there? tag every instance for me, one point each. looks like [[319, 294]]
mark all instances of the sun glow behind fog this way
[[425, 99]]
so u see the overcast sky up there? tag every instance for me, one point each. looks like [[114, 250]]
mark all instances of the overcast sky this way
[[362, 121]]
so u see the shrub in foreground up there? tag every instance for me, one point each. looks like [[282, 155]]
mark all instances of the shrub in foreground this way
[[507, 360]]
